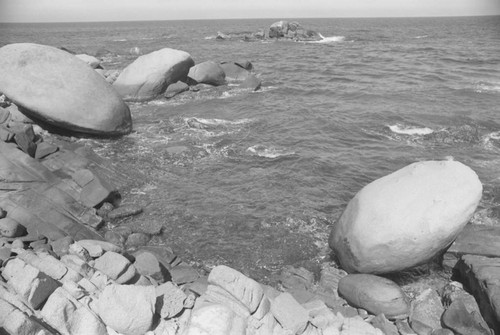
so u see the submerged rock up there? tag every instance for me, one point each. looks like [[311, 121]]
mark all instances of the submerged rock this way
[[207, 73], [60, 90], [405, 218], [150, 75]]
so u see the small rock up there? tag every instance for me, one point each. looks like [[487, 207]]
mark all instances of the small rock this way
[[296, 278], [102, 245], [148, 265], [77, 250], [427, 309], [215, 319], [182, 274], [44, 149], [175, 89], [458, 319], [116, 267], [137, 240], [289, 313], [25, 139], [442, 331], [11, 228], [105, 208], [17, 244], [128, 309], [61, 246], [124, 211], [251, 82], [5, 254], [169, 300], [114, 238], [387, 327], [375, 294]]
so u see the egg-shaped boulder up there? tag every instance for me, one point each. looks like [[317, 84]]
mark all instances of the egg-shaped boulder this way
[[375, 294], [56, 88], [405, 218], [149, 75], [207, 72]]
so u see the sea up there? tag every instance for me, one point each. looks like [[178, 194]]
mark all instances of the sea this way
[[261, 184]]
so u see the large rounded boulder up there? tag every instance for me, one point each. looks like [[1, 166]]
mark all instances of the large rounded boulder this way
[[149, 75], [405, 218], [207, 72], [55, 87]]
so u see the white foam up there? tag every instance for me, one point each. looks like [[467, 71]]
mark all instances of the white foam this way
[[410, 130], [484, 86], [329, 39], [422, 36], [218, 122], [271, 152]]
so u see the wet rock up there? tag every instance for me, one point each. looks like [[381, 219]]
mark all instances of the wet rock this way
[[289, 313], [385, 228], [94, 190], [427, 309], [116, 267], [127, 309], [234, 71], [136, 240], [182, 274], [296, 278], [278, 29], [148, 265], [375, 294], [11, 228], [115, 238], [150, 75], [458, 319], [44, 81], [251, 82], [475, 240], [245, 289], [169, 300], [25, 139], [105, 208], [89, 60], [69, 316], [176, 89], [207, 72], [480, 275], [44, 149], [31, 284], [124, 211]]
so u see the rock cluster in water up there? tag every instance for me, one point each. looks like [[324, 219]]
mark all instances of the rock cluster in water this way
[[60, 275]]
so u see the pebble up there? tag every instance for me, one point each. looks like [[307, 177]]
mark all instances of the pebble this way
[[11, 228]]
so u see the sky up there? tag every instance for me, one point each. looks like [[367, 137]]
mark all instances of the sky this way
[[132, 10]]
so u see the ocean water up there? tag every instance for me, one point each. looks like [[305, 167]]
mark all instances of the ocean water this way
[[262, 184]]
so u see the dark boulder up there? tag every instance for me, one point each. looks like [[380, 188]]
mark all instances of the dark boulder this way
[[207, 72]]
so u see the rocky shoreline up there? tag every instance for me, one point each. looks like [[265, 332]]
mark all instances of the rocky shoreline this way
[[67, 269]]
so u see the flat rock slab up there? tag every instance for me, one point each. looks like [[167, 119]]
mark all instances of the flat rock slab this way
[[482, 276], [474, 240]]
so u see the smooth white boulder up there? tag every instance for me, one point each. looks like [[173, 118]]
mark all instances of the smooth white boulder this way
[[405, 218], [149, 75], [56, 88]]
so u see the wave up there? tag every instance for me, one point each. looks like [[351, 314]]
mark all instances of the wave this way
[[487, 87], [329, 39], [219, 122], [410, 130], [120, 40], [421, 36], [269, 152]]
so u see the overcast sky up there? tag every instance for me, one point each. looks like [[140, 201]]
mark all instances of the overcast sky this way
[[125, 10]]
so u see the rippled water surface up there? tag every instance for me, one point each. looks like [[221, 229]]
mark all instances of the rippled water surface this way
[[262, 183]]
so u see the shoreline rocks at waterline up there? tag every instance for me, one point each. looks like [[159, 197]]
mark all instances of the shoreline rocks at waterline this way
[[405, 218], [60, 90], [150, 75]]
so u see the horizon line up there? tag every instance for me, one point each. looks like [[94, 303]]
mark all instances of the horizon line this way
[[257, 18]]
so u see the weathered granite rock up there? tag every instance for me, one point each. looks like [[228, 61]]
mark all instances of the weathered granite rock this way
[[207, 72], [14, 321], [218, 295], [234, 71], [475, 240], [150, 75], [375, 294], [289, 313], [30, 283], [136, 240], [44, 81], [44, 149], [215, 319], [296, 278], [128, 309], [427, 308], [175, 89], [245, 289], [251, 82], [147, 264], [278, 29], [11, 228], [116, 267], [183, 273], [387, 228], [481, 275], [169, 300], [69, 316], [457, 318]]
